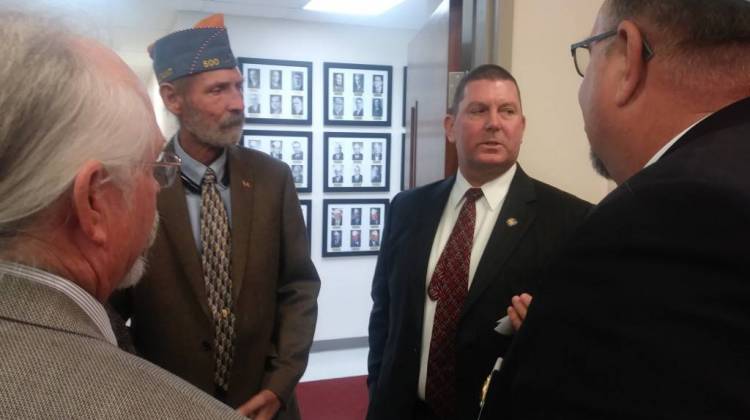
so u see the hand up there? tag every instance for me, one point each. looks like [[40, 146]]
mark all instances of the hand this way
[[262, 406], [517, 310]]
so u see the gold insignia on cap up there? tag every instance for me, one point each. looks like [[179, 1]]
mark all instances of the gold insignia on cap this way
[[247, 184], [512, 221], [211, 62]]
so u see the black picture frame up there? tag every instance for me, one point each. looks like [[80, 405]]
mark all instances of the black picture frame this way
[[266, 141], [403, 99], [346, 229], [262, 88], [403, 161], [341, 95], [306, 208], [355, 154]]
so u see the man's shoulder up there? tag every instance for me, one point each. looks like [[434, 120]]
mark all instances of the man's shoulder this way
[[118, 382], [260, 160], [419, 194], [548, 194]]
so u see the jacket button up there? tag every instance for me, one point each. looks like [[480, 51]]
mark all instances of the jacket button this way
[[206, 345]]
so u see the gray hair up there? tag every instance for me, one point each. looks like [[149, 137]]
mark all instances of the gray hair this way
[[59, 111]]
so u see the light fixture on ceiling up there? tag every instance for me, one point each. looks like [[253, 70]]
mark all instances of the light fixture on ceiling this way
[[352, 7]]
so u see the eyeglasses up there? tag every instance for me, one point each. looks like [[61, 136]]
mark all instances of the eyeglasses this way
[[165, 168], [581, 51]]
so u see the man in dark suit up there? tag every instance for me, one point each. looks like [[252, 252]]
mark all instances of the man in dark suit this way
[[297, 153], [356, 175], [358, 107], [646, 312], [432, 338], [229, 311], [338, 174], [357, 151]]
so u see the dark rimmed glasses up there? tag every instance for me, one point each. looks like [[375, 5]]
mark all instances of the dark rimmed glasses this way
[[581, 51], [165, 168]]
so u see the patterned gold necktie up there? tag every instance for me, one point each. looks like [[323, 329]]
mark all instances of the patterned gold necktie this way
[[217, 245]]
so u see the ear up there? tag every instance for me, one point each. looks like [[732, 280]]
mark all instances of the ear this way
[[634, 71], [172, 99], [90, 204], [448, 123]]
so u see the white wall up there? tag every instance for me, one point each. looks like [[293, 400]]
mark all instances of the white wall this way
[[344, 302], [555, 149]]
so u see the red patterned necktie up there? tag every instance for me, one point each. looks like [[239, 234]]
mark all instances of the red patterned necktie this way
[[449, 286]]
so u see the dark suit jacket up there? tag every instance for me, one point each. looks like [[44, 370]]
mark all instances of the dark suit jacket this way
[[509, 266], [274, 286], [647, 313]]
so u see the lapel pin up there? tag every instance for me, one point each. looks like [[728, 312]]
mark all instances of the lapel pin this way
[[246, 184], [512, 221]]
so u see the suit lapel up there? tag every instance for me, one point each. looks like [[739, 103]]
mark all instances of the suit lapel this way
[[515, 217], [175, 222], [242, 181], [430, 210]]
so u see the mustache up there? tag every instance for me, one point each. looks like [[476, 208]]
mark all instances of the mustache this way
[[232, 120]]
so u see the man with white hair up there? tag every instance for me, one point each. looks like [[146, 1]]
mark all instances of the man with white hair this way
[[80, 166]]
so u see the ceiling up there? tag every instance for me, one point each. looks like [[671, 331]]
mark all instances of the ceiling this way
[[410, 14], [127, 26]]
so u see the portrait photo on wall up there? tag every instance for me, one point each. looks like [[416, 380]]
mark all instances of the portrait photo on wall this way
[[357, 94], [353, 227], [356, 162], [292, 147], [306, 207], [277, 91]]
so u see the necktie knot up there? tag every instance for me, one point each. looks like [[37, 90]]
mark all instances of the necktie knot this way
[[473, 194], [209, 177]]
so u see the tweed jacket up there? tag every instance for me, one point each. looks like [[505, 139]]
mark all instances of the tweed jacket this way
[[57, 364]]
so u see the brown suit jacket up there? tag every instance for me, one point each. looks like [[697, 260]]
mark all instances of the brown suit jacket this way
[[274, 286]]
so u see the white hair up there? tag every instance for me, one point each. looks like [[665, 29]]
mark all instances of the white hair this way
[[59, 110]]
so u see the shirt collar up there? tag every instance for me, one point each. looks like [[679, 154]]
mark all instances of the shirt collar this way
[[494, 191], [669, 144], [82, 298], [195, 170]]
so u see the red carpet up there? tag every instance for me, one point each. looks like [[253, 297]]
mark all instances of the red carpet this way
[[333, 399]]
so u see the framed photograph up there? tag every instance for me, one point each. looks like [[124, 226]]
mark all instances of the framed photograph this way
[[292, 147], [357, 94], [306, 207], [355, 162], [353, 227], [277, 91]]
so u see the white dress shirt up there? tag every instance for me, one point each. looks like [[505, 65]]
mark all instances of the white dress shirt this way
[[488, 208]]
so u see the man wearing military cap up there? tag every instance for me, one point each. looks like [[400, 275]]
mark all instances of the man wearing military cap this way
[[229, 300]]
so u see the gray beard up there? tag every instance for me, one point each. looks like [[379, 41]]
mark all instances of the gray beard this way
[[134, 275], [598, 165], [227, 134]]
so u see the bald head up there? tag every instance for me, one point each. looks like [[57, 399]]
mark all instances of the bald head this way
[[705, 43]]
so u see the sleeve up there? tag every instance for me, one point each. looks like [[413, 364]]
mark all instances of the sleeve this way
[[297, 307], [378, 328]]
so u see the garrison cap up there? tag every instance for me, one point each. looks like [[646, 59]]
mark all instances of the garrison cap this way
[[204, 47]]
